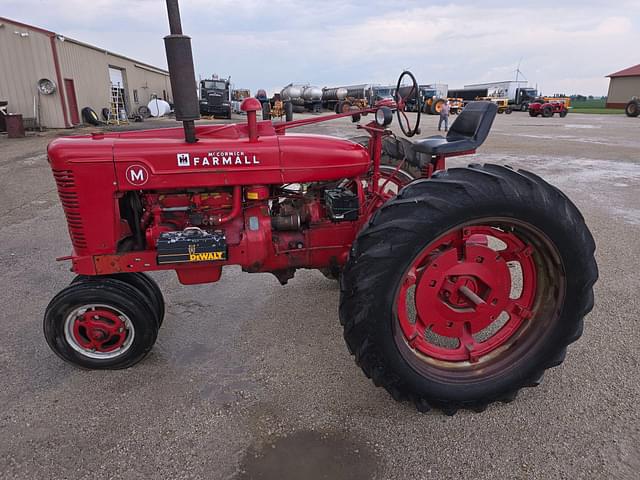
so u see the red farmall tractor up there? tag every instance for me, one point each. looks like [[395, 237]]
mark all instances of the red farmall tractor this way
[[547, 107], [458, 286]]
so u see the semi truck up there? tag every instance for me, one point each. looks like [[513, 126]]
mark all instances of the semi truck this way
[[215, 97], [517, 93]]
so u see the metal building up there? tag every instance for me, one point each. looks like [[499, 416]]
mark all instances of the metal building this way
[[622, 86], [79, 74]]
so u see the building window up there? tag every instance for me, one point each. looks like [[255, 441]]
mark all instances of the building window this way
[[135, 96]]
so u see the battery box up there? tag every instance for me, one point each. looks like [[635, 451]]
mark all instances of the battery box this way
[[191, 245], [342, 204]]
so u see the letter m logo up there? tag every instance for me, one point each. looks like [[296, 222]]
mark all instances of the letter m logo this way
[[137, 175]]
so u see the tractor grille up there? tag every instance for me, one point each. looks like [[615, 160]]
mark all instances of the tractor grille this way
[[71, 206]]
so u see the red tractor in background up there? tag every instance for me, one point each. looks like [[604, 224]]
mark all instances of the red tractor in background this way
[[547, 107], [632, 108], [458, 287]]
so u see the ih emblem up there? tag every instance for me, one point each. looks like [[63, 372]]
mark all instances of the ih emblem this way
[[183, 160]]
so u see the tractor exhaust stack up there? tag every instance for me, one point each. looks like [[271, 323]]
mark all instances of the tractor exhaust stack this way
[[182, 73]]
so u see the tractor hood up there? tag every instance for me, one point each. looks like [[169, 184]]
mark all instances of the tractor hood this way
[[223, 156]]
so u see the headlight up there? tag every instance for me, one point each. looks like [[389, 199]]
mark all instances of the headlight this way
[[384, 115]]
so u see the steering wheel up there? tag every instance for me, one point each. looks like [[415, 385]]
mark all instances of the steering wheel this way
[[409, 94]]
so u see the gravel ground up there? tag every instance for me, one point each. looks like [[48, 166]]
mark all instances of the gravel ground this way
[[252, 380]]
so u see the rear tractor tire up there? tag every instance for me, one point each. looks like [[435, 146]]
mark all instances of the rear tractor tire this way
[[632, 109], [466, 287], [100, 324], [436, 107], [547, 111]]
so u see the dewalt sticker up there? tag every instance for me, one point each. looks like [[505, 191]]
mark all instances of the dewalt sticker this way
[[206, 256]]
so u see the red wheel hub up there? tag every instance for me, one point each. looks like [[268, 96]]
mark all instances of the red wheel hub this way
[[100, 330], [463, 292]]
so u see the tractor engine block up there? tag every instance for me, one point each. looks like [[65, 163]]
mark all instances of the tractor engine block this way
[[275, 228], [175, 211]]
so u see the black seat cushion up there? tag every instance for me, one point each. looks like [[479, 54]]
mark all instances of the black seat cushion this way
[[467, 132], [440, 145]]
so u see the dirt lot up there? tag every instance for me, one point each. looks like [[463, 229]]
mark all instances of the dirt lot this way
[[253, 380]]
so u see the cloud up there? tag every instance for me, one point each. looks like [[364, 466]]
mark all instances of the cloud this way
[[565, 47]]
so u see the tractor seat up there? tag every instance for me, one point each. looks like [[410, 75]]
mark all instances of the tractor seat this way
[[467, 132]]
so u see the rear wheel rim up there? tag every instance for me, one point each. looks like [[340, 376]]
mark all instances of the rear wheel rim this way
[[458, 308], [392, 179], [99, 331]]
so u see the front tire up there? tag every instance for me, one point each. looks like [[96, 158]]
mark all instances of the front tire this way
[[140, 281], [429, 299], [104, 324]]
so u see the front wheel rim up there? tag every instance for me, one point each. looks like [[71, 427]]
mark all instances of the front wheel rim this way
[[98, 331], [457, 307]]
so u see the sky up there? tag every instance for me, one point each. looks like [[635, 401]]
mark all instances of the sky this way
[[562, 46]]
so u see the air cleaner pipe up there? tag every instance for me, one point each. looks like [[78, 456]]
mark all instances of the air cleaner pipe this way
[[235, 210], [182, 73]]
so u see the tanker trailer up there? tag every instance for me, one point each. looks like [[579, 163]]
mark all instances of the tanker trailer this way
[[302, 97], [293, 94], [312, 97], [333, 97]]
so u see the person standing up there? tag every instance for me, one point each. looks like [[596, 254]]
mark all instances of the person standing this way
[[444, 116]]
